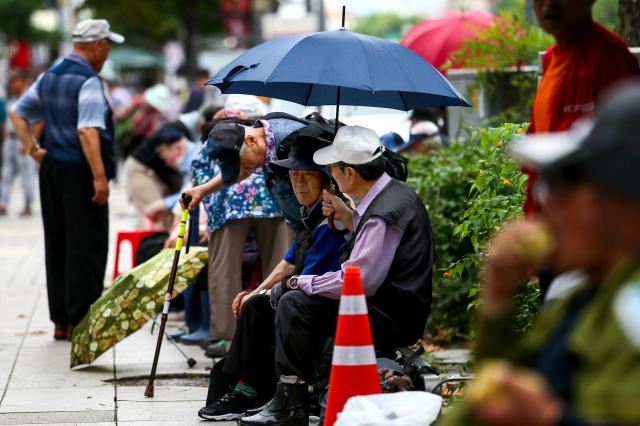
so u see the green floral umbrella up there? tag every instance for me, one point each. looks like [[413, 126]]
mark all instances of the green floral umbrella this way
[[132, 300]]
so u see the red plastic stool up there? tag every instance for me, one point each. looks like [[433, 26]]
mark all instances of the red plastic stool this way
[[135, 238]]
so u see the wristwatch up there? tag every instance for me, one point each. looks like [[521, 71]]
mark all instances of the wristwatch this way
[[293, 283], [34, 148]]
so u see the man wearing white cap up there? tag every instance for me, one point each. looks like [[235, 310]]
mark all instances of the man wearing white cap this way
[[393, 246], [77, 162]]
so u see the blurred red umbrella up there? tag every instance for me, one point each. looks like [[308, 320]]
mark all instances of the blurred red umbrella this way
[[436, 39]]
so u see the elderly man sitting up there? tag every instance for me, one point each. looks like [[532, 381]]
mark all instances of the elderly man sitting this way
[[393, 246]]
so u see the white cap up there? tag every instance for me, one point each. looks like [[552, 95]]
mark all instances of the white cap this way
[[91, 30], [249, 104], [352, 145], [158, 96]]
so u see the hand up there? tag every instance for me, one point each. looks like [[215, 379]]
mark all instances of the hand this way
[[170, 242], [155, 209], [39, 154], [196, 193], [523, 400], [101, 190], [519, 249], [334, 204], [236, 305]]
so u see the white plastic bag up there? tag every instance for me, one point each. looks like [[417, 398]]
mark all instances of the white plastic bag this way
[[391, 409]]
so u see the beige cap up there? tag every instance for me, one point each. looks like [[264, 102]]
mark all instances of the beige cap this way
[[91, 30]]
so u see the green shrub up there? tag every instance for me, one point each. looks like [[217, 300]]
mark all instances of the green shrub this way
[[470, 189]]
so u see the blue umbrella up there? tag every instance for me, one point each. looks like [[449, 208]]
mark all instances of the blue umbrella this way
[[338, 67]]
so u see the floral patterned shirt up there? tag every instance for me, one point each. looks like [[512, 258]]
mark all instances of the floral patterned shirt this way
[[246, 199]]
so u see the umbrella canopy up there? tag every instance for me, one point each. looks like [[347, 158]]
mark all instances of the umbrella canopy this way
[[436, 39], [132, 300], [338, 67]]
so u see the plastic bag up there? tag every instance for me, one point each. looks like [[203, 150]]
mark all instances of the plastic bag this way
[[391, 409]]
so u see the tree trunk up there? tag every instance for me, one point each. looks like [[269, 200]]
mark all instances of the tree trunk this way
[[629, 21]]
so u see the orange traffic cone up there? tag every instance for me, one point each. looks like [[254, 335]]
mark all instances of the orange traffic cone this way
[[353, 368]]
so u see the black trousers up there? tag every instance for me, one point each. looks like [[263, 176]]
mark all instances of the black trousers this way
[[251, 355], [76, 239], [304, 323]]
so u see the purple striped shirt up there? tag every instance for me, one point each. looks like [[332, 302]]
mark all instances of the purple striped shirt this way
[[373, 251]]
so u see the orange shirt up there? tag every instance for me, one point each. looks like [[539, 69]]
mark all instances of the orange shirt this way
[[574, 79]]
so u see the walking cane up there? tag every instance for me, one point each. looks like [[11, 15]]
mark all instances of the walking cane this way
[[167, 298]]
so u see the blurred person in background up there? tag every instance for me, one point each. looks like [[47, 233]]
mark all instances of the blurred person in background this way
[[147, 114], [77, 163], [580, 363], [15, 161], [593, 59], [196, 91], [155, 174], [586, 54]]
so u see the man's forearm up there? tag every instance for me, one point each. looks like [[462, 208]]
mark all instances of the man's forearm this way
[[283, 269], [90, 143], [214, 185], [23, 131]]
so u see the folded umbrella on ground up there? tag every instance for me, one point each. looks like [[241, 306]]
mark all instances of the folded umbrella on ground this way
[[134, 298]]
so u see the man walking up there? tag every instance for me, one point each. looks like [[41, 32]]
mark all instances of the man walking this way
[[77, 162]]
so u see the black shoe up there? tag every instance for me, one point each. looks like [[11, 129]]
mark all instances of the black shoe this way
[[231, 406], [216, 349], [220, 383], [207, 341], [252, 411], [287, 408]]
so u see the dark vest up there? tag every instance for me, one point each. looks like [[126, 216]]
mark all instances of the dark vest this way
[[58, 91], [304, 237], [405, 294]]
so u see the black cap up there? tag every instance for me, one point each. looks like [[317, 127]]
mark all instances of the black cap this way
[[223, 146], [301, 156], [604, 151]]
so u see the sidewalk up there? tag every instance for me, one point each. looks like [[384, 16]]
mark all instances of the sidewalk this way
[[36, 385]]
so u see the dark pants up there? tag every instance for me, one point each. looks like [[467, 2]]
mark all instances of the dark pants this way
[[304, 323], [76, 233], [251, 355]]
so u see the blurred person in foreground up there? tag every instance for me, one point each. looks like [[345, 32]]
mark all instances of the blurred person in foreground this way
[[580, 364], [249, 366], [585, 61], [15, 161], [77, 162]]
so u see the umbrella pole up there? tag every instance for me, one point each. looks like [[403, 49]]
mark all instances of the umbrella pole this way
[[335, 130], [167, 299]]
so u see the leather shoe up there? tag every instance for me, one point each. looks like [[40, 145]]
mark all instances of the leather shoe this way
[[287, 408]]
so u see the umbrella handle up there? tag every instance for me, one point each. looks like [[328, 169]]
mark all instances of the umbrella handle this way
[[331, 220]]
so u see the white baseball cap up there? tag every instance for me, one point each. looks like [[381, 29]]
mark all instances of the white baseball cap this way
[[158, 96], [352, 145], [90, 30]]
